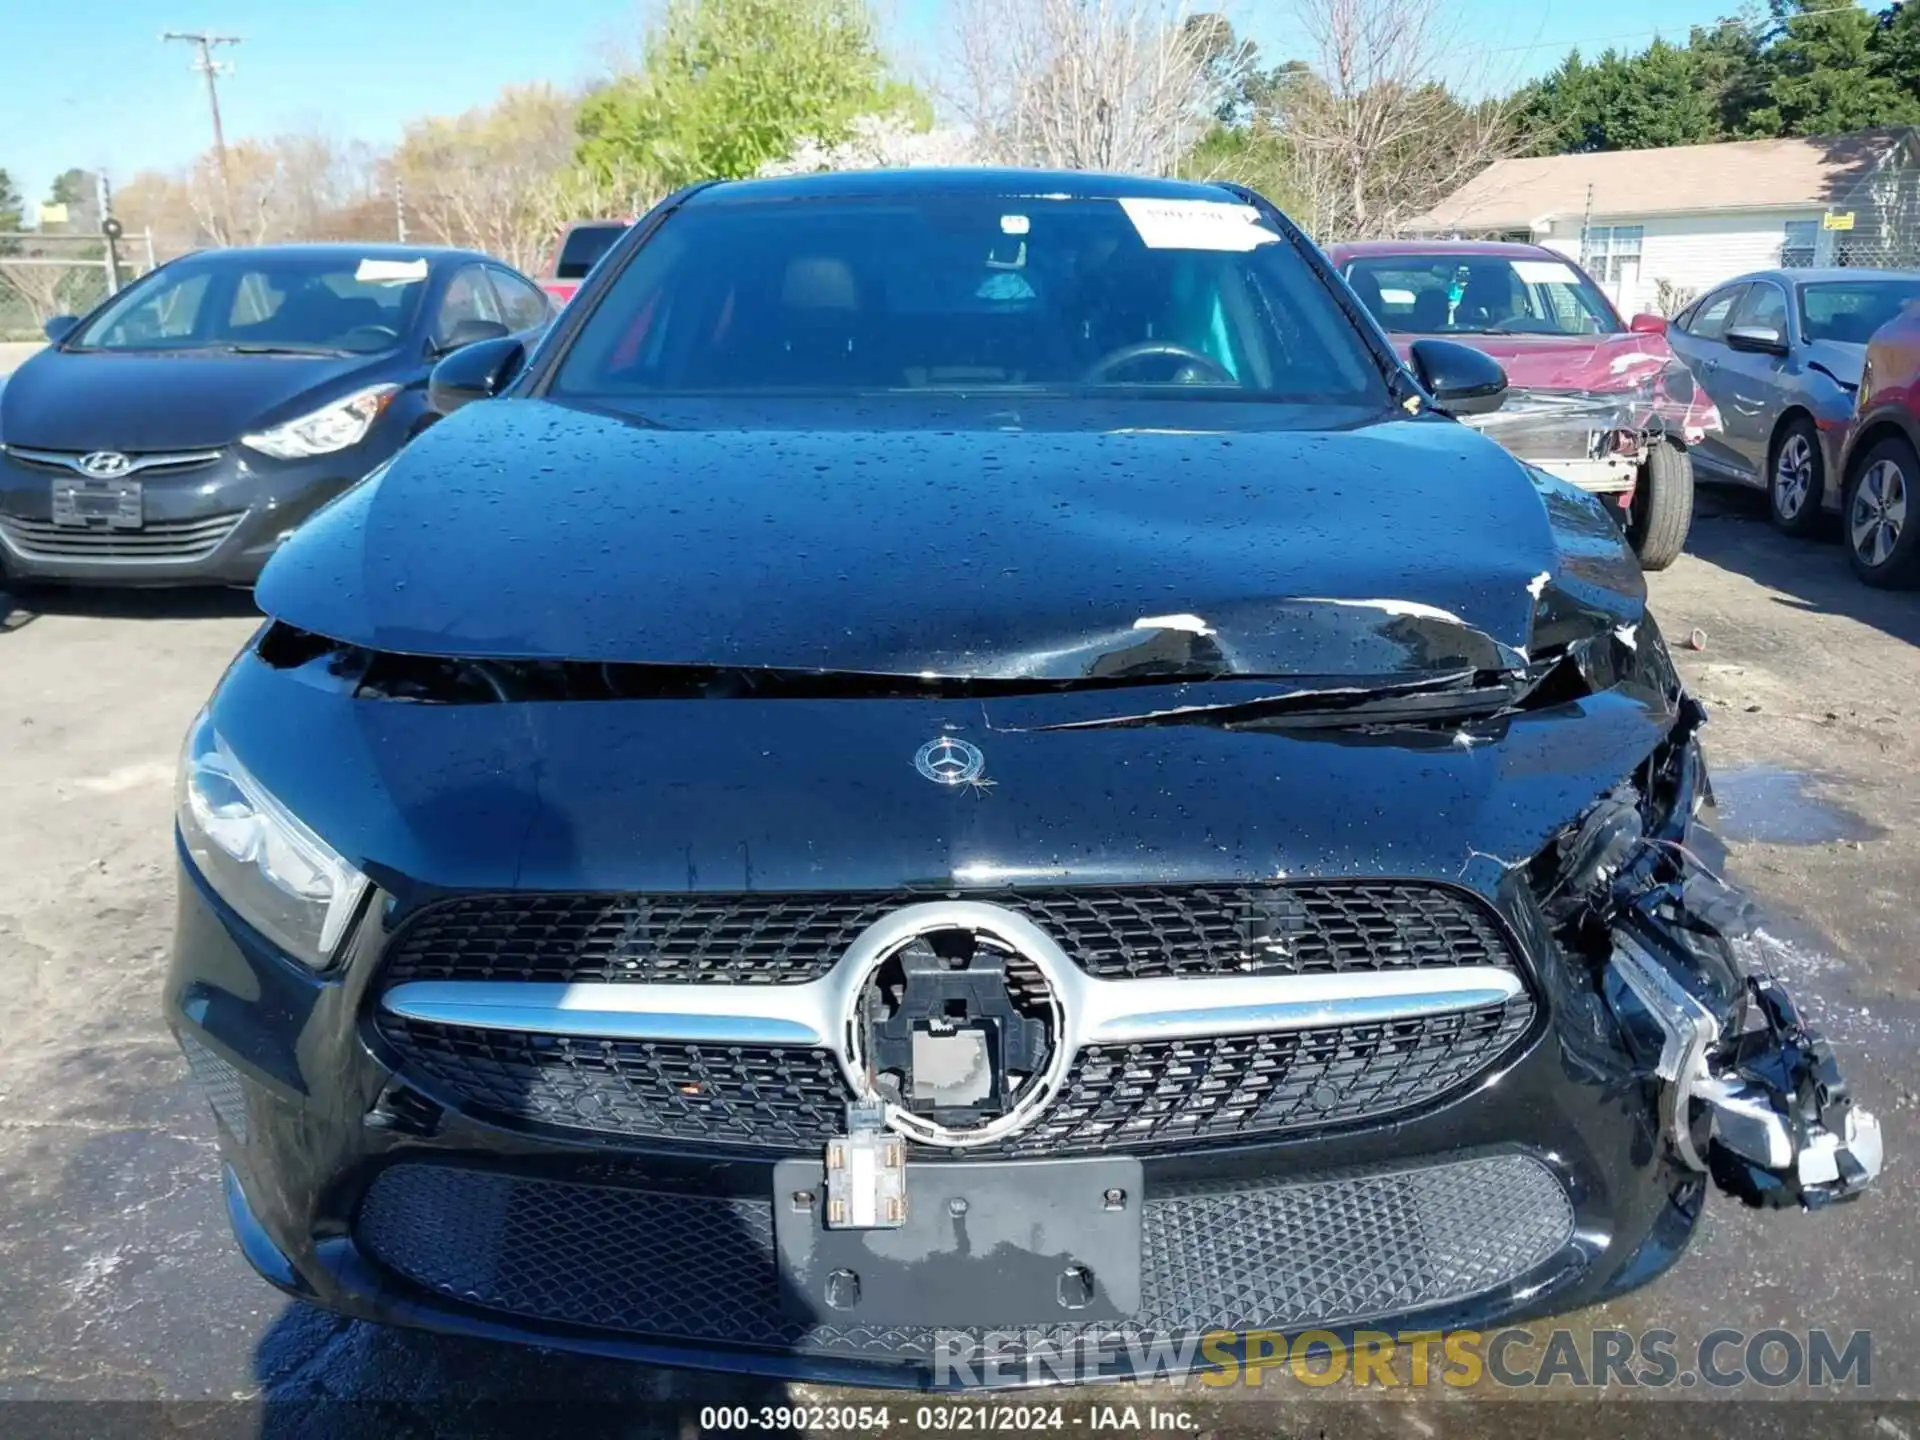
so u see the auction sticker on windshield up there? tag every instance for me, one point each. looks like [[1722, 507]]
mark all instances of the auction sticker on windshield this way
[[1545, 272], [1197, 225], [390, 272]]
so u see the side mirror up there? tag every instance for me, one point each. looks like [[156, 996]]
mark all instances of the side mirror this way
[[1757, 340], [59, 327], [470, 332], [1461, 379], [475, 372], [1648, 324]]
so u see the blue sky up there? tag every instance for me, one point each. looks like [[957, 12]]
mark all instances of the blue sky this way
[[87, 82]]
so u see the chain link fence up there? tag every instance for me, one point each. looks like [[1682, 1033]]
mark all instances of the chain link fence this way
[[1875, 225], [43, 274]]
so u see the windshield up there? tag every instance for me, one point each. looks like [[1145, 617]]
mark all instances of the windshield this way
[[1851, 310], [1480, 295], [582, 249], [233, 301], [971, 293]]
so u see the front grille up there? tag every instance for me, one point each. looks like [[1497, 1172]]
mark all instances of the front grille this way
[[775, 1097], [1321, 1251], [171, 463], [1141, 1097], [180, 540], [1119, 931], [1168, 1092]]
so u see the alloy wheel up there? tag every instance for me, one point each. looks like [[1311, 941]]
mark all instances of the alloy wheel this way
[[1879, 512], [1793, 477]]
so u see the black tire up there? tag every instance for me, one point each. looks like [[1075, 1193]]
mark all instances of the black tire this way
[[1881, 516], [1796, 478], [1662, 510]]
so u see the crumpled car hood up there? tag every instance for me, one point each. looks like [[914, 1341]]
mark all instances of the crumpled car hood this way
[[525, 529]]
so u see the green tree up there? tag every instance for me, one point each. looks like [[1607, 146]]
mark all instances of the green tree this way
[[728, 85], [10, 206], [79, 191], [1825, 77], [1896, 46], [1734, 69], [1619, 102]]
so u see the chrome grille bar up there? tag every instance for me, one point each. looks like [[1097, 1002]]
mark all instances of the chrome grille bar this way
[[70, 459], [1103, 1012]]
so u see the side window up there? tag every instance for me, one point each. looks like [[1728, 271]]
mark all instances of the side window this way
[[468, 297], [1765, 305], [523, 306], [1709, 320]]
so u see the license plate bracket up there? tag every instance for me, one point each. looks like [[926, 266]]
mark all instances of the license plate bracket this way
[[984, 1244], [89, 504]]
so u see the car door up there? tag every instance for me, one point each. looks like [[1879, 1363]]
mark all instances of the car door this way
[[1697, 338], [1758, 385]]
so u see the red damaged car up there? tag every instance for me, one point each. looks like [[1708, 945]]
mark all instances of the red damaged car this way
[[1598, 402]]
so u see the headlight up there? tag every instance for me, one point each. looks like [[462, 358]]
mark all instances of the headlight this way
[[332, 427], [281, 878]]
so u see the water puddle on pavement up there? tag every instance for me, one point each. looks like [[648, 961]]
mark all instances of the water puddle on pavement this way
[[1769, 805]]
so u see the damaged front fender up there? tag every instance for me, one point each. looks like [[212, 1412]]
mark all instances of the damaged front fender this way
[[1748, 1092]]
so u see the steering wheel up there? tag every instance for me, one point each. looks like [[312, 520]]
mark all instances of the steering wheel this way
[[1149, 349], [382, 333]]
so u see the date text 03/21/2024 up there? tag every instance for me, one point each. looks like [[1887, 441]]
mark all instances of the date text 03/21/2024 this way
[[986, 1419]]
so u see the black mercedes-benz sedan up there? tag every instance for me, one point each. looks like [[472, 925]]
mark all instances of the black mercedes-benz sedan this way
[[962, 779], [181, 431]]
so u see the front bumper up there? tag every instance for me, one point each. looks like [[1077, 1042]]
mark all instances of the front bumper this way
[[212, 523], [1545, 1188]]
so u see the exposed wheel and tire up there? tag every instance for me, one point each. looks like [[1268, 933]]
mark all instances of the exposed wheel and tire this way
[[1796, 479], [1882, 516], [1662, 510]]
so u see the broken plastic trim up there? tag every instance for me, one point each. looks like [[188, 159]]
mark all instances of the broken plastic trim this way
[[1747, 1092], [1759, 1106]]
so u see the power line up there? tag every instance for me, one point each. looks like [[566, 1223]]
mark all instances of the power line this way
[[204, 45]]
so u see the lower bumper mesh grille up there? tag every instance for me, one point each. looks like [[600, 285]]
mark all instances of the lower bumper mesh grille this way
[[1326, 1251], [220, 1083]]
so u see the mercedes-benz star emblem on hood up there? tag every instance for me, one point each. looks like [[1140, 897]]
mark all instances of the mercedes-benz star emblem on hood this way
[[948, 761]]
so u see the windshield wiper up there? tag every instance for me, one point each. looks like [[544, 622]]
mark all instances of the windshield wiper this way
[[247, 347]]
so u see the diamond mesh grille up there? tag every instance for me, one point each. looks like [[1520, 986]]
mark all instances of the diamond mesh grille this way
[[1319, 1251], [220, 1083], [1118, 931], [1133, 1097]]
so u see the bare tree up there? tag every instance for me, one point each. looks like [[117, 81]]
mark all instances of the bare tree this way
[[1119, 85], [879, 142], [501, 178], [1376, 138], [39, 285]]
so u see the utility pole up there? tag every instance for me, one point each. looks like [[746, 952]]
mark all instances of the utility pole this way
[[204, 44], [400, 208]]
